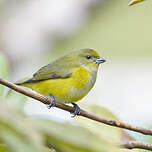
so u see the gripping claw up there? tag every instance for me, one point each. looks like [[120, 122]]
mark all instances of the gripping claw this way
[[52, 104], [76, 110]]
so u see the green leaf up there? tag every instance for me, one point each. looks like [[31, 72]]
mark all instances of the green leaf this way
[[18, 132], [3, 71], [133, 2], [3, 148], [68, 138]]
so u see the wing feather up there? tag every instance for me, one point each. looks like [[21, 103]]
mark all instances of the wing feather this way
[[57, 69]]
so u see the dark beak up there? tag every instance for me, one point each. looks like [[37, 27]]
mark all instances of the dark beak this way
[[100, 60]]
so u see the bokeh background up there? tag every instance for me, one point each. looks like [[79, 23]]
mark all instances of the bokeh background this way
[[36, 32]]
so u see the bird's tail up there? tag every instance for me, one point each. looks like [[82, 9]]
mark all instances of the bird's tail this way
[[23, 82]]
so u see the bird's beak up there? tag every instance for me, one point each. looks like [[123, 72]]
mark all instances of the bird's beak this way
[[100, 60]]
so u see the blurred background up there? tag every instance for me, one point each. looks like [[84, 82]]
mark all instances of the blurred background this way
[[36, 32]]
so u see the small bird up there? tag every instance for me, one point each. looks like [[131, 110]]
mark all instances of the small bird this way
[[67, 79]]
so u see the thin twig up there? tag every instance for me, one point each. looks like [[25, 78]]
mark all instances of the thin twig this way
[[137, 144], [71, 109]]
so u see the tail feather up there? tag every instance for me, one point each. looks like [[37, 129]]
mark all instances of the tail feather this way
[[23, 81]]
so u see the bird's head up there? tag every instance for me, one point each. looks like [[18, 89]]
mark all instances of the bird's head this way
[[89, 58]]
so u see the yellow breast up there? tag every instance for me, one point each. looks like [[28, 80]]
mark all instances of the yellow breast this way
[[69, 89]]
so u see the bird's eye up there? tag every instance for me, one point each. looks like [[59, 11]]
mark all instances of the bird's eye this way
[[88, 57]]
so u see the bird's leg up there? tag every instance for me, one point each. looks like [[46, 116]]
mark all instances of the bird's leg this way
[[76, 110], [52, 102]]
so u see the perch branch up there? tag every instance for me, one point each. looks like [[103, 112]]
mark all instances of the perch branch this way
[[71, 109], [137, 144]]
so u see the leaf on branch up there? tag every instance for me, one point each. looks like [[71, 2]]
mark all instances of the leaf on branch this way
[[133, 2]]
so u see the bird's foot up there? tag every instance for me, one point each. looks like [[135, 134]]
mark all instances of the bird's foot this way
[[52, 104], [76, 110]]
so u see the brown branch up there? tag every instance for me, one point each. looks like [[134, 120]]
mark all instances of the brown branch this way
[[137, 144], [71, 109]]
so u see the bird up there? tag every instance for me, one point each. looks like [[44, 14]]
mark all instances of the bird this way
[[67, 79]]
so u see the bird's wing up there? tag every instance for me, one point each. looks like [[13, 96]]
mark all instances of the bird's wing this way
[[61, 68]]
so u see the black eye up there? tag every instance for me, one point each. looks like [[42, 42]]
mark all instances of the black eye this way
[[88, 57]]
